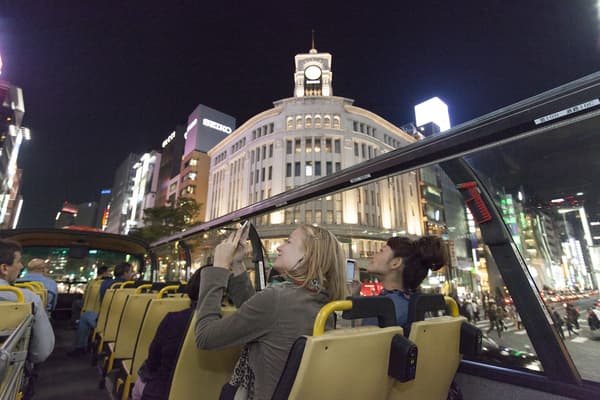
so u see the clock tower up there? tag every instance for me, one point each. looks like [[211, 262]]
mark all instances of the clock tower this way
[[313, 74]]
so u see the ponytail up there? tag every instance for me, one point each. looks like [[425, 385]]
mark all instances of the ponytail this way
[[419, 256]]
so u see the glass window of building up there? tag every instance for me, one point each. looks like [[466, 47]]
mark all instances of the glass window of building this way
[[252, 157], [318, 217], [336, 122], [290, 123], [308, 145], [308, 169], [370, 152], [271, 150], [317, 145], [298, 122], [257, 154], [338, 166], [298, 146], [256, 176], [355, 149], [270, 172], [262, 175], [328, 168], [362, 127], [297, 169], [251, 177], [327, 145], [327, 121], [337, 146], [308, 121], [288, 170], [317, 168], [193, 162], [364, 150], [264, 152], [317, 121], [308, 217], [288, 147], [329, 217], [271, 127]]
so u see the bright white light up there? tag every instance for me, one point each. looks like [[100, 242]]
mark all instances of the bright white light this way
[[579, 193], [560, 200], [433, 110], [594, 223], [520, 196]]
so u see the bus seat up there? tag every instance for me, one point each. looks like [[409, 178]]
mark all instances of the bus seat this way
[[330, 365], [103, 314], [438, 341], [157, 309], [115, 313], [13, 313], [15, 330], [202, 371], [91, 300], [129, 328], [37, 288]]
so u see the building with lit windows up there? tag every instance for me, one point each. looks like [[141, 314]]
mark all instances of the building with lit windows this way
[[184, 171], [304, 138], [12, 135]]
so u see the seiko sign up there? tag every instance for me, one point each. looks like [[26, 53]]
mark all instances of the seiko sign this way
[[215, 125]]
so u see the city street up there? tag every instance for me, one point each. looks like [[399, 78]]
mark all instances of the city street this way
[[584, 349]]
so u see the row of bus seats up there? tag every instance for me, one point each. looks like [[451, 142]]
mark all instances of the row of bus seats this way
[[15, 332], [416, 364], [37, 288]]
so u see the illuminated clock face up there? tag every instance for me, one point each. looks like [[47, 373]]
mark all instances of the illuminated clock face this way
[[312, 72]]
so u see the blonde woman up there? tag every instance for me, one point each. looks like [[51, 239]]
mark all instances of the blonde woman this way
[[267, 323]]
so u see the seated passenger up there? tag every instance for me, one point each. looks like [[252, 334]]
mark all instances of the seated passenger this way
[[401, 265], [155, 374], [42, 337], [267, 323], [37, 270], [123, 272]]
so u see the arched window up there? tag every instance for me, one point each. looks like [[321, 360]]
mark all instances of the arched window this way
[[336, 122], [308, 121], [327, 122], [317, 121], [290, 123], [298, 122]]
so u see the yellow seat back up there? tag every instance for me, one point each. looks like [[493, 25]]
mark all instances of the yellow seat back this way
[[115, 313], [157, 309], [104, 309], [438, 341], [13, 314], [131, 322], [37, 288], [346, 364], [91, 298], [202, 371]]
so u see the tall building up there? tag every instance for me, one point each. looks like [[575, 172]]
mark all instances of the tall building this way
[[185, 163], [12, 135], [304, 138], [83, 214], [121, 192]]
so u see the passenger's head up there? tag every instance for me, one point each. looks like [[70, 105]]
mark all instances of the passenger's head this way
[[193, 286], [10, 260], [103, 271], [314, 256], [124, 270], [407, 262], [38, 266]]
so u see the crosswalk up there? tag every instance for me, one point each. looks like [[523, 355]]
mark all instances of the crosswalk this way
[[584, 334]]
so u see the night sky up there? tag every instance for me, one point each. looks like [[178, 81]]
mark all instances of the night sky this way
[[100, 82]]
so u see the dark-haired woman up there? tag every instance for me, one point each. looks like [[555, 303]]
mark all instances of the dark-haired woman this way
[[155, 374], [401, 266]]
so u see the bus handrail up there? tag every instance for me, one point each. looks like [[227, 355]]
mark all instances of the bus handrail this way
[[17, 291]]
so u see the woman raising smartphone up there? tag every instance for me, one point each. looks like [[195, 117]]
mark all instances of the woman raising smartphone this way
[[267, 323]]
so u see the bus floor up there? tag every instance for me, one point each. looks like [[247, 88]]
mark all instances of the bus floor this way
[[62, 377]]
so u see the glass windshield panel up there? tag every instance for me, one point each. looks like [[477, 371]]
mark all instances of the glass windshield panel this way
[[72, 268], [545, 186]]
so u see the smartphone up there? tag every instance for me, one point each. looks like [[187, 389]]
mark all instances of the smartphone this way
[[244, 228], [350, 270]]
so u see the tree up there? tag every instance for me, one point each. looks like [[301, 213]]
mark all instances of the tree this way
[[164, 221]]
